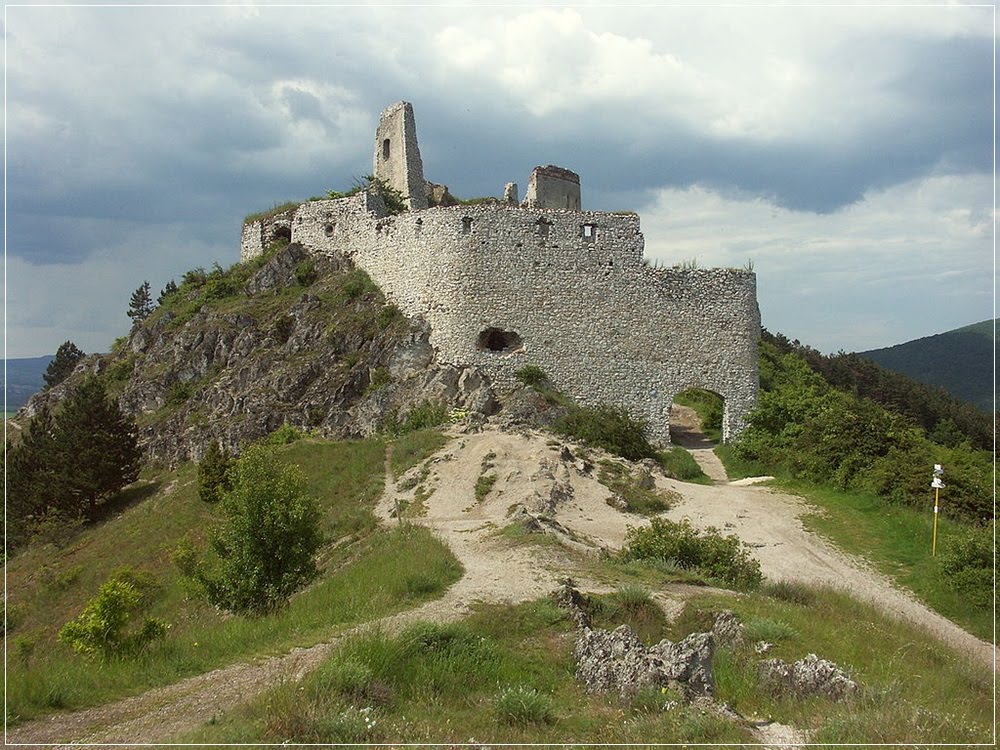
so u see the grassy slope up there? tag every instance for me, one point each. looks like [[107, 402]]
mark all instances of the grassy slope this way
[[451, 683], [367, 574]]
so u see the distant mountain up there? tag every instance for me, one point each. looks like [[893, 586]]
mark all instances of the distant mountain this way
[[960, 361], [24, 379]]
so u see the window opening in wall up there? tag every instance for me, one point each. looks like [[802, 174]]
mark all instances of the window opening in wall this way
[[328, 230], [542, 227], [466, 225], [385, 149], [283, 233], [417, 226], [589, 232], [498, 340]]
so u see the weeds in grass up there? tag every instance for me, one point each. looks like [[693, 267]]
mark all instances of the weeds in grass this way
[[523, 705]]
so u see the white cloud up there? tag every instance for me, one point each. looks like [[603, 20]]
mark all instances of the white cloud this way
[[905, 262]]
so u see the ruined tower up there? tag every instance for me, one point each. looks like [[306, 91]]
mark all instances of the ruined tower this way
[[397, 157], [553, 187]]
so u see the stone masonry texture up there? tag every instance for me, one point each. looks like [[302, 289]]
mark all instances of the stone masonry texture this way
[[568, 291]]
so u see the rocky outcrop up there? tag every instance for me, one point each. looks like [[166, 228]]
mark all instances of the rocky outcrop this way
[[808, 677], [616, 661], [304, 340]]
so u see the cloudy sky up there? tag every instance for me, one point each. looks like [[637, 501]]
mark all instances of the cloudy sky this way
[[846, 152]]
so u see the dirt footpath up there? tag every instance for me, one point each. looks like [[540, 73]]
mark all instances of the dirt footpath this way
[[534, 477]]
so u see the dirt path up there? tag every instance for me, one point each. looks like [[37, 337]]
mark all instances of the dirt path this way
[[770, 522], [534, 476]]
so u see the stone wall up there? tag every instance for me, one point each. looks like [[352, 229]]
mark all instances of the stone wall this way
[[553, 187], [568, 291], [260, 233]]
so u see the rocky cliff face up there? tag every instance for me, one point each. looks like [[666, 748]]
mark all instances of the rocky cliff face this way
[[286, 338]]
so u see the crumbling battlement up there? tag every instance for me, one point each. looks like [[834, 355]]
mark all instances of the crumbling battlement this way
[[567, 290]]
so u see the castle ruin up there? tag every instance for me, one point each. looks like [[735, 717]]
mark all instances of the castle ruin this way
[[543, 282]]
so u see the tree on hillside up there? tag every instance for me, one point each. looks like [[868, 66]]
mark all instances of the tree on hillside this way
[[96, 446], [67, 355], [141, 305], [33, 478], [168, 290], [213, 473], [266, 546]]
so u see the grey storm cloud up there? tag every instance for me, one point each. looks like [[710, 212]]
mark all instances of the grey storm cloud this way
[[179, 121]]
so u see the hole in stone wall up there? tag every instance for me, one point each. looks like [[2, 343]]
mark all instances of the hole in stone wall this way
[[542, 227], [466, 225], [498, 340], [283, 233], [589, 232], [385, 149], [328, 230]]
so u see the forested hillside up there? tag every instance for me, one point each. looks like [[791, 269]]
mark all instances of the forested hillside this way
[[959, 361]]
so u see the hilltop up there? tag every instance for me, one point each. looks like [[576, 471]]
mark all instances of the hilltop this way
[[959, 361]]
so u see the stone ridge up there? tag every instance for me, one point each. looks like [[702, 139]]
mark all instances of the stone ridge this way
[[504, 286]]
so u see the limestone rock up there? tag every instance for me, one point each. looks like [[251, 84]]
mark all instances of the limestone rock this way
[[807, 677]]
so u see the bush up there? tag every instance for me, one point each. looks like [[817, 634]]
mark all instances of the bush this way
[[610, 428], [423, 415], [305, 273], [532, 376], [108, 625], [284, 435], [271, 533], [213, 473], [722, 557], [967, 561]]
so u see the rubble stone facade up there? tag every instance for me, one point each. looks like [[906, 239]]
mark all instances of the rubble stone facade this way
[[504, 286]]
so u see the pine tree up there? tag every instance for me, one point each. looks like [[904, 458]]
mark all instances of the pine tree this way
[[168, 290], [213, 473], [141, 305], [96, 447], [67, 355], [34, 481]]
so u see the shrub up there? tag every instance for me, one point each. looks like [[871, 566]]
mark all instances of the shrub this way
[[610, 428], [523, 705], [710, 553], [305, 273], [266, 546], [283, 326], [284, 435], [179, 393], [532, 375], [967, 561], [423, 415], [213, 473], [387, 316], [108, 625]]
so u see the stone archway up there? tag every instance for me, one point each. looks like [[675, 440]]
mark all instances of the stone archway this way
[[697, 417]]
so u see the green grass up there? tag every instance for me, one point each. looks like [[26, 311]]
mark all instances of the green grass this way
[[505, 675], [678, 463], [897, 540], [367, 574], [620, 480], [914, 690], [736, 466]]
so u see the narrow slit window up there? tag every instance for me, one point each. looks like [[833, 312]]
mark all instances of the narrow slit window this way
[[466, 225], [589, 232], [385, 149]]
